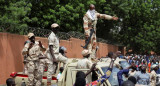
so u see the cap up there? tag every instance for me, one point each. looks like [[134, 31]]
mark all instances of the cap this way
[[63, 48], [13, 74], [54, 25], [153, 66], [85, 52], [30, 35]]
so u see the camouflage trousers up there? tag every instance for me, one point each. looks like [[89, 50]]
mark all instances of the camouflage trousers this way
[[33, 73], [52, 66], [42, 64], [25, 70], [92, 44]]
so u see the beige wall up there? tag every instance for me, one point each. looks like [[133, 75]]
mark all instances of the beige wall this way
[[12, 44]]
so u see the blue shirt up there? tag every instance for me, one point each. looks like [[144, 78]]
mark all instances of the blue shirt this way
[[119, 75]]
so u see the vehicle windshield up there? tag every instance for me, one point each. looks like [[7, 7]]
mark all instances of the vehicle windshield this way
[[113, 78], [124, 64]]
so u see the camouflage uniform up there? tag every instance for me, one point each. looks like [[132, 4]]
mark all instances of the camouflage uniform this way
[[53, 40], [25, 70], [33, 62], [153, 76], [90, 22], [42, 64], [25, 61]]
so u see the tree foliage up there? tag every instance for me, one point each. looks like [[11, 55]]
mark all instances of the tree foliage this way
[[140, 27], [15, 16]]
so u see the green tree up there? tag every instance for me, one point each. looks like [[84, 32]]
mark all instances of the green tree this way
[[141, 26], [15, 16]]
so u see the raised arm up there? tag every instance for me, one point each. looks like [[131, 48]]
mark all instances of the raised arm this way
[[41, 46], [107, 74], [92, 68], [108, 17], [26, 48]]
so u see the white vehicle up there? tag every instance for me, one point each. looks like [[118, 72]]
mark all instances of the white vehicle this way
[[69, 74]]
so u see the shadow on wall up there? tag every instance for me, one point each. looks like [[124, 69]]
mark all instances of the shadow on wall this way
[[11, 46]]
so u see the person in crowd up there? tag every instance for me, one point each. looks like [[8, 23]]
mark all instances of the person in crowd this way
[[133, 71], [128, 83], [80, 79], [142, 77], [149, 66], [132, 79], [10, 82], [125, 72], [60, 73]]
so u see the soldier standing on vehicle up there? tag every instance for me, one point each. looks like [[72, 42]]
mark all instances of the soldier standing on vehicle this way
[[25, 70], [85, 63], [33, 50], [90, 21], [53, 53]]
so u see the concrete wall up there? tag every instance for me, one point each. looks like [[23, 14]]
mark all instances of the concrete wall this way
[[11, 58]]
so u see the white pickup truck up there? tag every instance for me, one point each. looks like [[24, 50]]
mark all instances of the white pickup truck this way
[[69, 74]]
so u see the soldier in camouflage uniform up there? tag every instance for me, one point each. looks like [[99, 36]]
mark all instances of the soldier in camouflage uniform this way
[[90, 21], [25, 70], [46, 61], [33, 50]]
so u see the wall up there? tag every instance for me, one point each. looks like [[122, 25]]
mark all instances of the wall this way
[[11, 58]]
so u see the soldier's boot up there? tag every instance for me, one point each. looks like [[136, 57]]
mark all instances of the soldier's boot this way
[[48, 83]]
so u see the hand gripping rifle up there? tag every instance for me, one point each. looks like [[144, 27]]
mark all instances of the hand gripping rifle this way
[[89, 39]]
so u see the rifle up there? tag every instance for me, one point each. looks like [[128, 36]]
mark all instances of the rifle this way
[[88, 40]]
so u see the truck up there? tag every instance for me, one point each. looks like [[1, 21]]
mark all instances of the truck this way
[[68, 76]]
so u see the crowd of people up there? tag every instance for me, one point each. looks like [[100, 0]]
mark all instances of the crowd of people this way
[[144, 68]]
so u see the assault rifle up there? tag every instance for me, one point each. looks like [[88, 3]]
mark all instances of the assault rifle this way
[[89, 39]]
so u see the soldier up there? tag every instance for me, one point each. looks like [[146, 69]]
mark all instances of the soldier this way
[[90, 21], [153, 75], [33, 50], [43, 62], [85, 63], [25, 70], [53, 54], [80, 76]]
